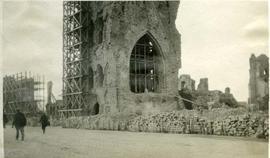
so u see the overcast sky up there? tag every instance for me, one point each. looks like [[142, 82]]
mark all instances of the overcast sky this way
[[218, 38]]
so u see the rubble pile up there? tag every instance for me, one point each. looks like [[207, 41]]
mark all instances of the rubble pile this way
[[244, 125], [94, 123], [223, 113], [174, 122], [227, 122], [164, 122], [99, 122]]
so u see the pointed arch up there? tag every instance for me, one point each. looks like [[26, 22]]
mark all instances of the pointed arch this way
[[146, 65], [153, 39]]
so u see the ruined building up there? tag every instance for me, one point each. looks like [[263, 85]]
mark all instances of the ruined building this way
[[186, 82], [53, 105], [203, 85], [120, 56], [24, 91], [203, 98], [258, 81], [228, 99]]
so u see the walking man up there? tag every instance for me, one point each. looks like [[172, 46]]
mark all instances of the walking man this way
[[5, 119], [44, 122], [19, 122]]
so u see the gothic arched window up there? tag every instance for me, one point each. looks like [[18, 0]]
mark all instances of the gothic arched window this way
[[145, 66]]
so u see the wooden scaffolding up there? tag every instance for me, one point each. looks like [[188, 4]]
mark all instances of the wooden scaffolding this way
[[24, 91], [75, 54]]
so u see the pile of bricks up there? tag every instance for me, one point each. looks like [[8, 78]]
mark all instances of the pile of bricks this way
[[162, 122], [245, 125], [230, 122], [242, 125]]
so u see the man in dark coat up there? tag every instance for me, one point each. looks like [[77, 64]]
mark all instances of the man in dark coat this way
[[44, 122], [5, 119], [19, 122]]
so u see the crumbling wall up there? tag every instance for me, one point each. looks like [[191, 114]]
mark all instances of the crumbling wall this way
[[258, 81], [203, 98], [228, 99], [214, 99], [186, 82], [116, 27], [203, 85], [147, 103]]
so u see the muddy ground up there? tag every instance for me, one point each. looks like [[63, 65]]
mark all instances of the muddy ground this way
[[78, 143]]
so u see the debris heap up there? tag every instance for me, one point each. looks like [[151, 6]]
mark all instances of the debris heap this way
[[232, 122]]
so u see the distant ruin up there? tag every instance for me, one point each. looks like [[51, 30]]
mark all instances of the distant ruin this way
[[259, 82], [203, 85], [186, 82], [120, 57], [53, 105], [202, 97]]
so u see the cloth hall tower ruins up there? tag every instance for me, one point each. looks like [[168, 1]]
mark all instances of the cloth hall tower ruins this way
[[120, 56]]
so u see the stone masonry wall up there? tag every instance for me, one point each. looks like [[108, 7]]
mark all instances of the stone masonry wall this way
[[259, 81], [124, 23]]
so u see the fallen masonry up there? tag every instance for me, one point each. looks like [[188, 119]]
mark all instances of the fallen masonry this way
[[219, 121]]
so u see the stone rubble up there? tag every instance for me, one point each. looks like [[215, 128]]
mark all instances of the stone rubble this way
[[226, 122], [242, 125]]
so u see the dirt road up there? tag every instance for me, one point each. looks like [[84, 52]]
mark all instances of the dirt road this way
[[79, 143]]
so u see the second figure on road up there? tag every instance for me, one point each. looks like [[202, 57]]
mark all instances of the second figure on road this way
[[44, 122]]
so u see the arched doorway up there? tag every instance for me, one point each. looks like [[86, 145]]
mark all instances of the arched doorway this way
[[96, 109], [146, 66]]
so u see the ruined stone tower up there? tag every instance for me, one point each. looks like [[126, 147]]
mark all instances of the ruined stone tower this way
[[186, 82], [203, 85], [258, 81], [127, 56]]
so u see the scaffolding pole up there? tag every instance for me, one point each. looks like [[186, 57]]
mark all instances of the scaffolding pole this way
[[75, 50]]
